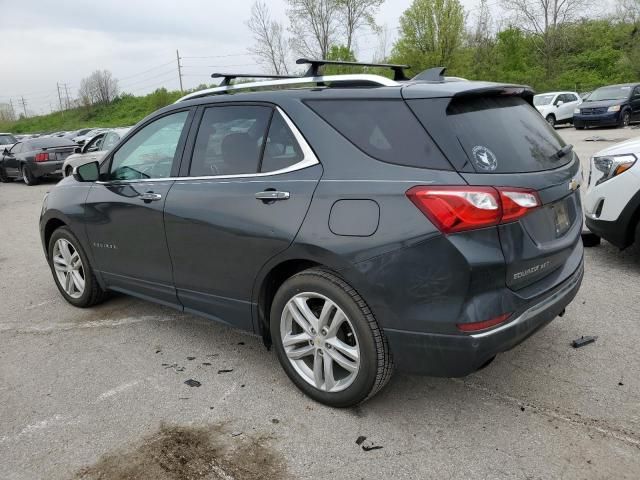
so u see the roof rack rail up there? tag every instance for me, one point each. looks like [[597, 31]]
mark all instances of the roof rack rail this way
[[349, 79], [435, 74], [227, 77], [314, 68]]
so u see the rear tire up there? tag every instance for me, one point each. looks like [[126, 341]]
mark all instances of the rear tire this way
[[346, 344], [4, 178], [28, 177], [590, 239], [64, 251], [551, 120]]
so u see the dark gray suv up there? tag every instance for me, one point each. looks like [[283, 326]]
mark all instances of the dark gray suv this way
[[357, 224]]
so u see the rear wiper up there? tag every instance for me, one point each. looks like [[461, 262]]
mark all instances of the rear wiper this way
[[564, 150]]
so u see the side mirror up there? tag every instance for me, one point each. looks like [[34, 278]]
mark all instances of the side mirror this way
[[77, 150], [92, 148], [6, 151], [559, 102], [88, 172]]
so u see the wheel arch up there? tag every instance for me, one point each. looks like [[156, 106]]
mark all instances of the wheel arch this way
[[50, 226], [276, 271]]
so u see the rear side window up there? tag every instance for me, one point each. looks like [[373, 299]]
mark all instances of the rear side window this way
[[497, 134], [384, 129], [229, 140]]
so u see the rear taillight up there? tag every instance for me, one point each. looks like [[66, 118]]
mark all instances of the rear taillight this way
[[485, 324], [455, 209], [42, 157]]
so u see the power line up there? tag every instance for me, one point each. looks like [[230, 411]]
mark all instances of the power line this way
[[223, 56], [145, 71], [142, 80]]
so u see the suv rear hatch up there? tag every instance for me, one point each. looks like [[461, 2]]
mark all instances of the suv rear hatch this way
[[494, 137]]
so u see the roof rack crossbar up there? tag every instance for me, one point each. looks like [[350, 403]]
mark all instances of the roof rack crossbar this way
[[363, 79], [314, 67], [228, 77]]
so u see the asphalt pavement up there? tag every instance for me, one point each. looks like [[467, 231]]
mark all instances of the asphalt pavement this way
[[101, 393]]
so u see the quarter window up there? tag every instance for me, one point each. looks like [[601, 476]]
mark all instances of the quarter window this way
[[384, 129], [281, 150], [230, 140], [149, 153]]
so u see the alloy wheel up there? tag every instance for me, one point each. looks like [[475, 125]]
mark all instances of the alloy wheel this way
[[68, 267], [320, 342]]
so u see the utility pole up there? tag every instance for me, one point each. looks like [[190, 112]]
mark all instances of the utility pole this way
[[13, 112], [179, 70], [24, 106], [66, 89], [60, 99]]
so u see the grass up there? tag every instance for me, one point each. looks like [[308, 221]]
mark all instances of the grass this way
[[124, 111]]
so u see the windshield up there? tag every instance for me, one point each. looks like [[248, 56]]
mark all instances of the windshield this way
[[7, 139], [610, 93], [542, 99]]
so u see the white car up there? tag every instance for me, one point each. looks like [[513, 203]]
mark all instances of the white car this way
[[6, 141], [81, 139], [612, 201], [94, 149], [557, 107]]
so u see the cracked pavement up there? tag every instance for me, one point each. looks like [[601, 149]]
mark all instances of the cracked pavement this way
[[78, 384]]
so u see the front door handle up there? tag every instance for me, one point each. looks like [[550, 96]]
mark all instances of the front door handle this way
[[150, 197], [271, 195]]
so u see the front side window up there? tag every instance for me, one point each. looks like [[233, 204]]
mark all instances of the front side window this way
[[149, 153], [230, 140], [7, 139], [110, 141], [95, 144]]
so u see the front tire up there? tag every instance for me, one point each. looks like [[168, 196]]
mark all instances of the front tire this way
[[327, 339], [28, 177], [72, 271], [625, 119]]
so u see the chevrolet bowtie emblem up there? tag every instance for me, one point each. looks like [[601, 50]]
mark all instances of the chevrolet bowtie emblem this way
[[574, 185]]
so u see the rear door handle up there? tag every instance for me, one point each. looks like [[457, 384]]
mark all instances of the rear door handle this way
[[272, 195], [150, 197]]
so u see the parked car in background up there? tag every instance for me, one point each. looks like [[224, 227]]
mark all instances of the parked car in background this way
[[81, 139], [557, 107], [612, 201], [617, 105], [94, 149], [353, 227], [77, 133], [7, 140], [34, 159]]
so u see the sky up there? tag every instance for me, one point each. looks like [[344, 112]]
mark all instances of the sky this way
[[47, 43]]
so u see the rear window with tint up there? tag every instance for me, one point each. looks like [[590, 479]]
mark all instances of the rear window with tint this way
[[384, 129], [497, 134]]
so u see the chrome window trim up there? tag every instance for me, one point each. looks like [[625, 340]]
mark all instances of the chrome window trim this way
[[308, 160], [373, 79]]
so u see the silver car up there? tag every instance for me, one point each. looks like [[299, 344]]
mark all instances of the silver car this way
[[94, 149]]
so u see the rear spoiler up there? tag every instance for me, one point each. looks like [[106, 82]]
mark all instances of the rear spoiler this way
[[523, 91]]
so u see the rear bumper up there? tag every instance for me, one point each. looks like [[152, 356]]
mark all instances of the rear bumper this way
[[603, 119], [459, 355], [42, 169]]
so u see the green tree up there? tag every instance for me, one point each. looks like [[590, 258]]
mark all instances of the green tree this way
[[431, 32]]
